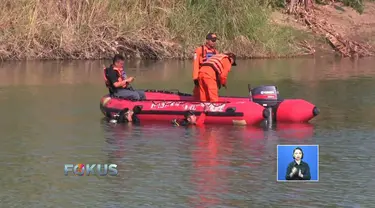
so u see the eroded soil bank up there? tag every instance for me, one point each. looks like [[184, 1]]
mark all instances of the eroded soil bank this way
[[343, 30]]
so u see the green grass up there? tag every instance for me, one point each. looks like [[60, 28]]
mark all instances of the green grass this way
[[95, 29]]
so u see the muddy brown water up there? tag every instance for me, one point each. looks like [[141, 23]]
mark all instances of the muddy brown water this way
[[50, 116]]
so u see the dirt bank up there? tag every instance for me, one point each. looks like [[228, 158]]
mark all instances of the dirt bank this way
[[353, 29]]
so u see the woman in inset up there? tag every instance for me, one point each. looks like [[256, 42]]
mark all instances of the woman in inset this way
[[298, 169]]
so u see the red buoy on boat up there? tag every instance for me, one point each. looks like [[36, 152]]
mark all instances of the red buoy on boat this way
[[295, 110]]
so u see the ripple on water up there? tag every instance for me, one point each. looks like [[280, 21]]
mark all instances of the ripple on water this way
[[164, 166]]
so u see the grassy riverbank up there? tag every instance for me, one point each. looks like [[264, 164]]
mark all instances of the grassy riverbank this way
[[93, 29]]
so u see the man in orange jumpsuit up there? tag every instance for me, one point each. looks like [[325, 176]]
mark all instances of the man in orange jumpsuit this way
[[202, 54], [213, 74]]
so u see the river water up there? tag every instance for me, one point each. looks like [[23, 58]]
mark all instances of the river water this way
[[50, 117]]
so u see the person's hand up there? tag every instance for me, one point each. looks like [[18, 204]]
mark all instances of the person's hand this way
[[300, 174], [294, 170], [196, 83], [130, 79]]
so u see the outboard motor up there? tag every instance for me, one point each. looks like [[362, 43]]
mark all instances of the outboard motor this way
[[268, 97]]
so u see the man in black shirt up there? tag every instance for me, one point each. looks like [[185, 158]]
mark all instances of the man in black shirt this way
[[118, 83], [298, 170], [126, 116]]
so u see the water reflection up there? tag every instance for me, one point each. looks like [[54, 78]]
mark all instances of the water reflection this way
[[292, 131], [309, 70], [50, 117], [208, 163], [49, 72], [210, 156], [115, 136]]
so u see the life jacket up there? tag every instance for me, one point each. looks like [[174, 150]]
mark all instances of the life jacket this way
[[121, 74], [207, 53], [217, 65]]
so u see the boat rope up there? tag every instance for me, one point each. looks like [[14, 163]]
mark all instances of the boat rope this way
[[171, 91], [181, 102], [166, 102], [206, 104]]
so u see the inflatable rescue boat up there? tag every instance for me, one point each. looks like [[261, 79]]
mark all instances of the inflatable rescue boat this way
[[263, 103]]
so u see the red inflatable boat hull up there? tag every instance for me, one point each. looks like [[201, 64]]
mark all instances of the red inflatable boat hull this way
[[167, 105], [240, 112], [288, 110]]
